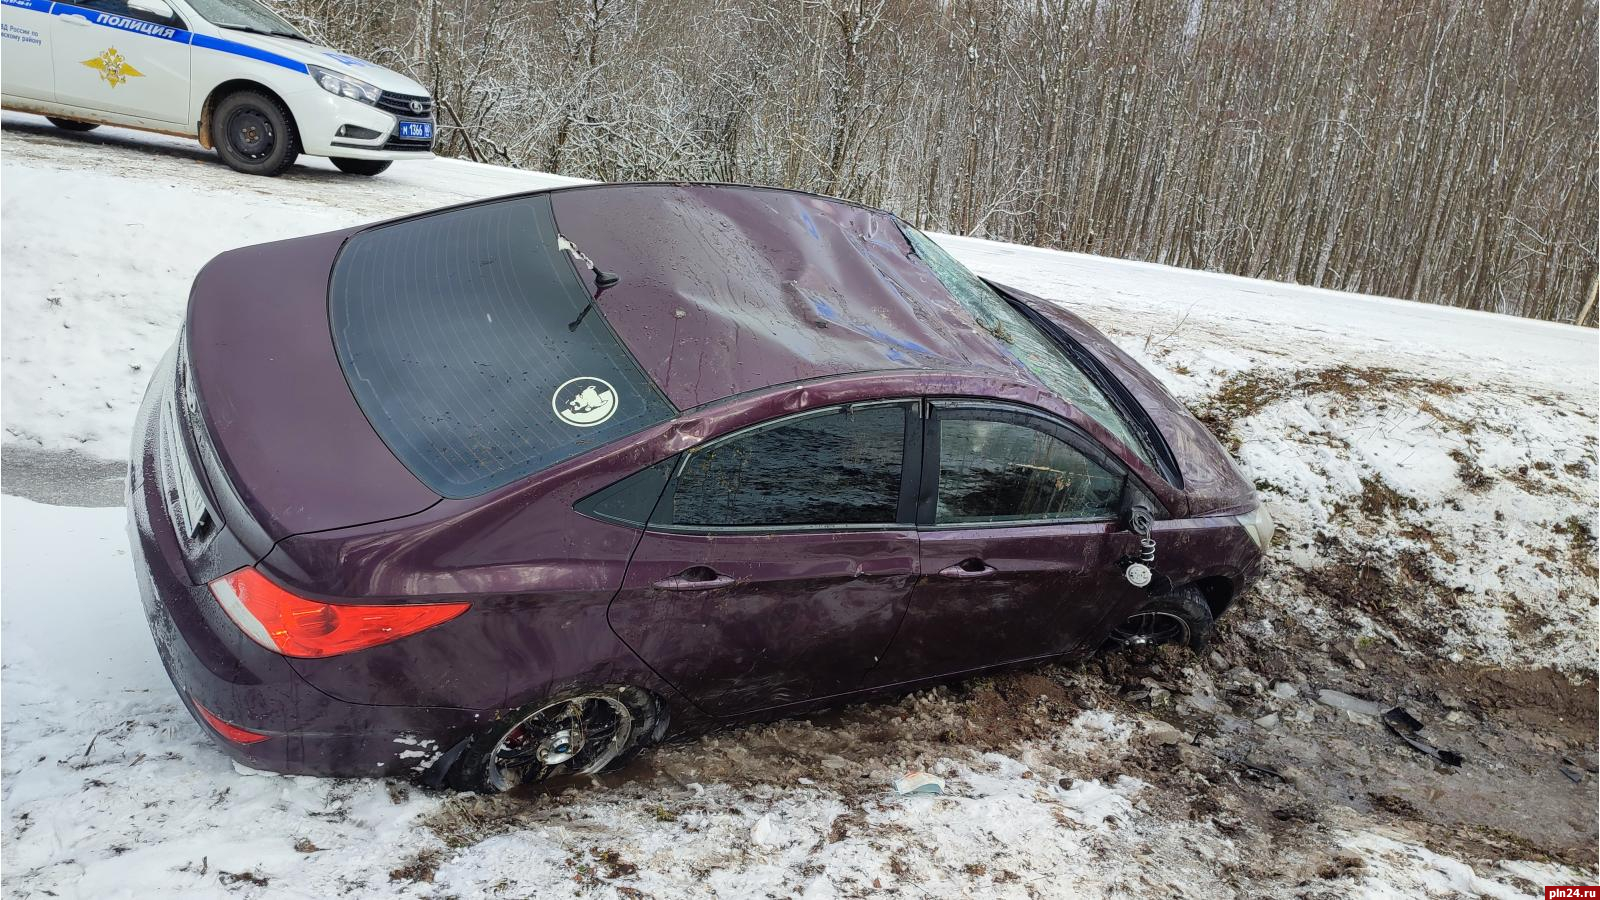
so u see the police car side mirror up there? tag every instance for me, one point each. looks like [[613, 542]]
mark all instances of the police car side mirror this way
[[158, 8]]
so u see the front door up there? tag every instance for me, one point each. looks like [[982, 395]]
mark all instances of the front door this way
[[1017, 556], [122, 56], [779, 560]]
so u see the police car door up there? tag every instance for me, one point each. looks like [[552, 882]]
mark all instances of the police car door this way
[[122, 56], [25, 57]]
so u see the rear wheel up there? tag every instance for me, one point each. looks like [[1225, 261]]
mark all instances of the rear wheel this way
[[583, 733], [72, 124], [1181, 618], [254, 134], [360, 166]]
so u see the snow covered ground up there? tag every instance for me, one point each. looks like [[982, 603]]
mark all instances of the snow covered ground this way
[[1433, 472]]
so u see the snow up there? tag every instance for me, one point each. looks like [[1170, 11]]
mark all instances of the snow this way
[[111, 790]]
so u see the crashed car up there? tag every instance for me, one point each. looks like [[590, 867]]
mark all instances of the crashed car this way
[[513, 489]]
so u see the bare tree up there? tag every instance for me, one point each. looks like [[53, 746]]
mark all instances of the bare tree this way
[[1434, 149]]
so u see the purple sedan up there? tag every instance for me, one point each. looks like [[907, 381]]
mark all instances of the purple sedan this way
[[513, 489]]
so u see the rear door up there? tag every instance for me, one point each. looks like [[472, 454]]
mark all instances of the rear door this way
[[779, 560], [1018, 561], [122, 56], [25, 68]]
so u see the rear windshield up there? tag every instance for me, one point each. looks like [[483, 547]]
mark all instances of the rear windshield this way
[[1037, 351], [468, 339]]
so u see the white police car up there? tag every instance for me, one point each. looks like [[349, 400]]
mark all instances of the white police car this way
[[231, 73]]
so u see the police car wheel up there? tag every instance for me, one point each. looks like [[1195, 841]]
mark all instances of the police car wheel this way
[[72, 124], [360, 166], [254, 134]]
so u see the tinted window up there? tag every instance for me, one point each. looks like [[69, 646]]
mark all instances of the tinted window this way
[[1037, 351], [992, 471], [632, 499], [835, 468], [470, 344]]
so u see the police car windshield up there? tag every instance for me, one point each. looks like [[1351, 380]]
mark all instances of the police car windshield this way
[[245, 15]]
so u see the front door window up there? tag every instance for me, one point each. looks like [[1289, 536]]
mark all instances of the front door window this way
[[1008, 471]]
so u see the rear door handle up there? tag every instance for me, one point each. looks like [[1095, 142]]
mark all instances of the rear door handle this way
[[972, 568], [695, 578], [75, 19]]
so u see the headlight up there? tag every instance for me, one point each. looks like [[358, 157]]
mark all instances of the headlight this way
[[1258, 524], [344, 85]]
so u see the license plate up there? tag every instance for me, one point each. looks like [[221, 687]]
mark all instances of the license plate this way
[[418, 130]]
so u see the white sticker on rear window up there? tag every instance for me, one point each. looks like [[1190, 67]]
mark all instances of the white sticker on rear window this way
[[584, 402]]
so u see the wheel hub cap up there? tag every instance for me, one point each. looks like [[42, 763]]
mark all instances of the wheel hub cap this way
[[560, 747]]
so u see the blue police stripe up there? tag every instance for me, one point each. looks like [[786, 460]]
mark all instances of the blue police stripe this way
[[163, 32], [124, 23], [238, 49]]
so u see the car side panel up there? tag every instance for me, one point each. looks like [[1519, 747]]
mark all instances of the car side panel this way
[[1050, 587], [25, 63], [807, 614], [120, 65]]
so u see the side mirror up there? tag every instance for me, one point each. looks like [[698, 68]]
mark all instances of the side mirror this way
[[1135, 512], [1139, 518], [158, 8]]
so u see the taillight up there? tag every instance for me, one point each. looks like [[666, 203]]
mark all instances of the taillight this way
[[231, 732], [295, 626]]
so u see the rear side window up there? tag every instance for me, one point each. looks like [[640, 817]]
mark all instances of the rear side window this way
[[841, 467], [999, 471], [469, 342]]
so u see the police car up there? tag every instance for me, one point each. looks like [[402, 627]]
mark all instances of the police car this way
[[231, 73]]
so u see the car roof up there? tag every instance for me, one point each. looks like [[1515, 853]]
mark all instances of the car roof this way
[[727, 289]]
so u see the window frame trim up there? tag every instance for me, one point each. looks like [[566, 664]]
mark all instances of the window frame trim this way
[[911, 452], [1001, 411]]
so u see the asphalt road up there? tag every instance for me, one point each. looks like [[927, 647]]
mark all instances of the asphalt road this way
[[60, 477]]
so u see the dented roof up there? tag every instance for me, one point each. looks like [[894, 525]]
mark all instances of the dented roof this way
[[728, 289]]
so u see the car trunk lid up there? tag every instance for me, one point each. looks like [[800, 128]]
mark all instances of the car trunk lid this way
[[283, 431]]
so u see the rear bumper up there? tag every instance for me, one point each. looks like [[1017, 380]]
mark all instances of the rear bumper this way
[[211, 662]]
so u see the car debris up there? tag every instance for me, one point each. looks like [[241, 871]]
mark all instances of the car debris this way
[[1407, 728], [1348, 703], [918, 783]]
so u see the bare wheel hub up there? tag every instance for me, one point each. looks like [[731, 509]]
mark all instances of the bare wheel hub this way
[[560, 747], [579, 736], [1150, 628]]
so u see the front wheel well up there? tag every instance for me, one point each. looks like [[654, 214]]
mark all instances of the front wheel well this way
[[1218, 593], [231, 87]]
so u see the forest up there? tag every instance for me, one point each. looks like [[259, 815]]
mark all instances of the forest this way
[[1437, 150]]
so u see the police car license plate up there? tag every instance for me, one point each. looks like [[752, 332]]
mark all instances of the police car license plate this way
[[416, 130]]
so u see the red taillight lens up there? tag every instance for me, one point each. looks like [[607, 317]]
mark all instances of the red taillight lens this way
[[294, 626], [231, 732]]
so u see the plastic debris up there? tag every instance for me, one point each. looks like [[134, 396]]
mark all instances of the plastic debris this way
[[1406, 727], [919, 783]]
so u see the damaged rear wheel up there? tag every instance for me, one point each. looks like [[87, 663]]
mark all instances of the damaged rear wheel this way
[[583, 733], [1182, 618]]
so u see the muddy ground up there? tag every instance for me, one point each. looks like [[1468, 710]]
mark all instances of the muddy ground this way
[[1237, 740]]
